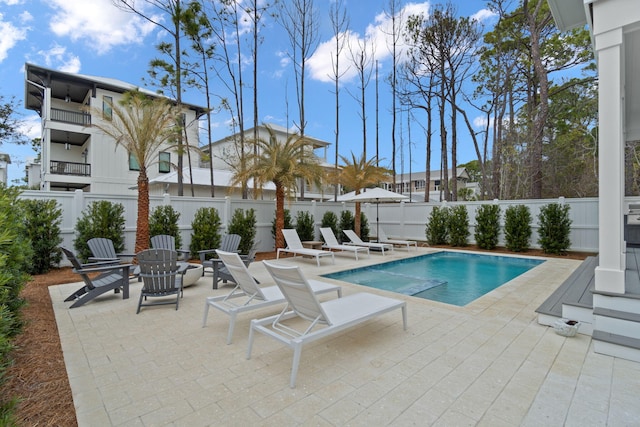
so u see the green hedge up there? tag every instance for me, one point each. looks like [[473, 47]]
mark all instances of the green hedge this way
[[15, 258]]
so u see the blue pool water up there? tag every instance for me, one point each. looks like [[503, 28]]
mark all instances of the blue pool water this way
[[449, 277]]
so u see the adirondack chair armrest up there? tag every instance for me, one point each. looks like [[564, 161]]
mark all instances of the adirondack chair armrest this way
[[98, 260], [87, 268]]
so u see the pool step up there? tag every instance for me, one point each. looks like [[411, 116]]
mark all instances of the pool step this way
[[430, 283]]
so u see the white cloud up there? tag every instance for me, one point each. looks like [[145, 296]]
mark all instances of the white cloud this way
[[9, 36], [483, 15], [25, 17], [97, 23], [11, 2], [377, 36], [57, 57], [31, 126]]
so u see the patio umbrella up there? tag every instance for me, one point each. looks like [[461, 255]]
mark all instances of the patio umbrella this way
[[376, 195]]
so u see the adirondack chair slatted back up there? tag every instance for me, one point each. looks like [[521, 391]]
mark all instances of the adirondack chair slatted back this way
[[158, 269], [102, 248], [230, 243], [77, 266], [163, 241]]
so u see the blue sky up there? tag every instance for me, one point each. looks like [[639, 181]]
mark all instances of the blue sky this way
[[93, 37]]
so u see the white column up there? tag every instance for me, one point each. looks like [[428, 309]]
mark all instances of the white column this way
[[610, 273]]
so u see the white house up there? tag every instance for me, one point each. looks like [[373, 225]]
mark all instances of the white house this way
[[414, 183], [615, 31], [225, 154], [76, 155]]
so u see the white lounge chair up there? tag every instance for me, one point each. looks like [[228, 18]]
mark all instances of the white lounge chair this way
[[323, 318], [357, 241], [331, 243], [247, 295], [382, 238], [294, 246]]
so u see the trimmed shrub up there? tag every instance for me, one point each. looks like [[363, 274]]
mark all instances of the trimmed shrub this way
[[437, 231], [487, 226], [330, 219], [517, 228], [164, 220], [458, 225], [206, 231], [347, 221], [42, 226], [100, 219], [305, 226], [554, 228], [288, 223], [15, 256], [243, 223]]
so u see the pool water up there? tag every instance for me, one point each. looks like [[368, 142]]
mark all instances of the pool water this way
[[449, 277]]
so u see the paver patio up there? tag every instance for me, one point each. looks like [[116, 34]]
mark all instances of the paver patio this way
[[489, 363]]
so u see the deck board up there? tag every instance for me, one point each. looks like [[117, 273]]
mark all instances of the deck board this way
[[578, 288]]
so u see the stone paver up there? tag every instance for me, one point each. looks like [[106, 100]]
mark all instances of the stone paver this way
[[487, 364]]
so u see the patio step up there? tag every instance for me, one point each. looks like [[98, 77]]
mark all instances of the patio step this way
[[616, 332]]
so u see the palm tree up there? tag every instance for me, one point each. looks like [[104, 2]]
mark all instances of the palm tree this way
[[141, 125], [282, 163], [357, 174]]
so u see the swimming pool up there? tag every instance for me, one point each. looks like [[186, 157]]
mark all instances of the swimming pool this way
[[450, 277]]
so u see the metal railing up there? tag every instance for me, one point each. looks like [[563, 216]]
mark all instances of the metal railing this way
[[70, 168], [73, 117]]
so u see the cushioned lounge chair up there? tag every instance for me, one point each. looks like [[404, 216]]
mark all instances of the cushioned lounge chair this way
[[331, 243], [382, 238], [356, 240], [111, 277], [247, 295], [294, 246], [321, 318]]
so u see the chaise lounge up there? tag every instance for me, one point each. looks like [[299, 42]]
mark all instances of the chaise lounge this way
[[331, 243], [357, 241], [294, 246], [248, 296], [323, 318]]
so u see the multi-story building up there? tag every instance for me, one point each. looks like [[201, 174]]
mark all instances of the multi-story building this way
[[414, 184], [226, 152], [77, 155]]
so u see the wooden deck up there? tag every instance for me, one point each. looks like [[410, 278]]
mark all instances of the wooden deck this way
[[579, 287], [576, 290]]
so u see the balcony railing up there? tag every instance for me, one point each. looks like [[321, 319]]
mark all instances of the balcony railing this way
[[73, 117], [70, 168]]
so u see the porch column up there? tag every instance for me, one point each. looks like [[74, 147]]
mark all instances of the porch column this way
[[609, 275]]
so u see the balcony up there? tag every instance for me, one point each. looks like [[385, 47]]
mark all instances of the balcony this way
[[70, 168], [73, 117]]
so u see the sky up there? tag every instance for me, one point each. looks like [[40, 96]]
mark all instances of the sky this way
[[93, 37]]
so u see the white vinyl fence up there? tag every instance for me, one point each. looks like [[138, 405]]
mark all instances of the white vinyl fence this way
[[402, 220]]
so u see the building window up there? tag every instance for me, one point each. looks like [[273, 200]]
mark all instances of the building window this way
[[133, 163], [165, 162], [107, 112]]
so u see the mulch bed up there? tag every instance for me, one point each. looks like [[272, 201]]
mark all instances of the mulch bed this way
[[39, 376]]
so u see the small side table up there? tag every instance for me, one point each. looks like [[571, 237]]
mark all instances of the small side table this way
[[312, 244]]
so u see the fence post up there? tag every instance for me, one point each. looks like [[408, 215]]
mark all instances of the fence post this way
[[166, 199], [227, 212], [78, 205]]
